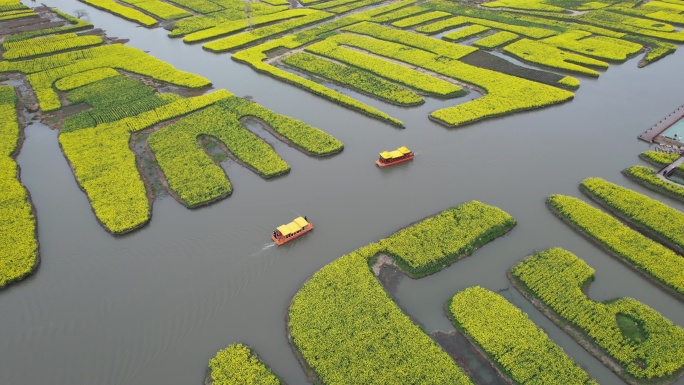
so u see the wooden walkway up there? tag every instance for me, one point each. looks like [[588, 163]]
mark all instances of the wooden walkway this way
[[669, 169], [662, 125]]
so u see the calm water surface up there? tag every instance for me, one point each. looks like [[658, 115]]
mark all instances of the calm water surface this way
[[153, 307]]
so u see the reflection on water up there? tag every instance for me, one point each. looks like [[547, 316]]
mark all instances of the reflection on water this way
[[154, 306]]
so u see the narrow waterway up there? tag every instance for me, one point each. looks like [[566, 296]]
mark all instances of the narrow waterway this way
[[154, 306]]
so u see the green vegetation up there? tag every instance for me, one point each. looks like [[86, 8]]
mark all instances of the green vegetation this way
[[656, 218], [648, 177], [111, 99], [354, 78], [19, 246], [44, 71], [309, 139], [556, 277], [630, 328], [350, 331], [512, 340], [239, 365], [127, 13], [191, 173], [105, 166], [638, 251]]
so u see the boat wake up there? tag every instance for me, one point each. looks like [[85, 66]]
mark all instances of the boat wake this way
[[265, 247]]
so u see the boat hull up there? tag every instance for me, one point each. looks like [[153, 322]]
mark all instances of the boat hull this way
[[284, 240], [380, 164]]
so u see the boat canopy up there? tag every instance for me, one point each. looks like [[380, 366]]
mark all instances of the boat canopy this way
[[293, 226], [398, 153]]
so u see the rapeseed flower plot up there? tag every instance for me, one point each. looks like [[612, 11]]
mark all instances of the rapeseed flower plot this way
[[662, 221], [648, 177], [350, 331], [159, 9], [603, 47], [80, 79], [557, 277], [255, 57], [411, 78], [238, 365], [22, 49], [42, 72], [246, 38], [308, 138], [19, 246], [354, 78], [659, 158], [105, 167], [121, 10], [232, 26], [521, 348], [495, 40], [537, 52], [191, 173], [644, 254]]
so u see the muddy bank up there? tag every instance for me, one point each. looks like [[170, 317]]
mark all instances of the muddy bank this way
[[486, 60], [387, 272], [470, 358], [454, 343]]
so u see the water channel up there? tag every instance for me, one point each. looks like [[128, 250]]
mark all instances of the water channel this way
[[154, 306]]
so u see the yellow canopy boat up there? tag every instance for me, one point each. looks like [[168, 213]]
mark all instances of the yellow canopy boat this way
[[388, 158], [292, 230]]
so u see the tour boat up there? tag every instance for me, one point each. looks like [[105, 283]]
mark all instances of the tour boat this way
[[389, 158], [292, 230]]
